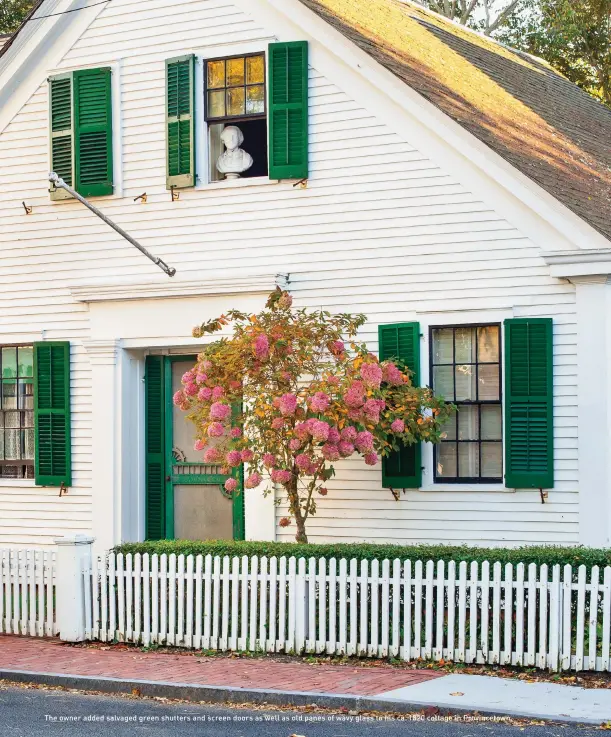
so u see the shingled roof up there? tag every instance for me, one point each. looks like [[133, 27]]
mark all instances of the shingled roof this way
[[532, 116]]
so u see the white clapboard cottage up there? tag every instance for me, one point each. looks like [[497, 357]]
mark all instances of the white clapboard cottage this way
[[385, 161]]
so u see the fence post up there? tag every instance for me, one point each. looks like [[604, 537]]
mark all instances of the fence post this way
[[73, 553]]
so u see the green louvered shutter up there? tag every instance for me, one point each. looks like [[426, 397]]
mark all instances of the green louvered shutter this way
[[61, 131], [288, 110], [154, 444], [180, 122], [402, 469], [93, 132], [529, 431], [52, 414]]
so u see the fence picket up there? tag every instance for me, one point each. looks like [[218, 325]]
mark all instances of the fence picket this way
[[473, 585], [163, 598], [208, 615], [565, 617], [544, 592], [555, 613], [4, 600], [606, 619], [462, 611], [418, 653], [120, 578], [532, 614], [112, 597], [224, 638], [199, 580], [494, 656], [332, 606], [31, 577], [374, 620], [581, 607], [146, 600], [352, 642], [485, 614], [321, 643], [428, 609], [385, 610], [439, 611], [171, 630], [519, 647], [311, 641], [451, 611], [235, 599], [342, 583], [593, 619], [508, 629], [189, 601], [300, 606], [88, 603], [263, 606], [273, 604], [290, 644], [129, 594], [281, 644], [244, 605], [155, 598], [407, 610], [41, 561], [180, 593], [395, 645], [364, 605], [216, 602]]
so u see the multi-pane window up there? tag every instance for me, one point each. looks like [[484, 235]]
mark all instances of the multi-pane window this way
[[466, 370], [17, 412], [235, 95]]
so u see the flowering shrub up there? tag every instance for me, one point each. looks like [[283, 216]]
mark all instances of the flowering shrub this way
[[309, 394]]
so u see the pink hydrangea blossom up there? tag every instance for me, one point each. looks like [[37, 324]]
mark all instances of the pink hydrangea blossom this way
[[277, 423], [330, 452], [205, 365], [302, 430], [204, 394], [217, 392], [345, 448], [216, 430], [372, 409], [354, 397], [303, 461], [247, 455], [280, 476], [201, 378], [286, 376], [334, 436], [319, 402], [355, 415], [178, 398], [286, 300], [294, 444], [219, 411], [371, 459], [371, 374], [234, 385], [364, 442], [199, 445], [235, 432], [261, 347], [191, 390], [234, 458], [269, 460], [337, 347], [320, 430], [349, 434], [323, 491], [212, 455], [398, 426], [188, 377], [231, 485], [253, 480], [287, 404], [392, 375]]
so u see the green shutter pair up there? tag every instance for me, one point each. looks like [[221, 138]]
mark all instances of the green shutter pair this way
[[81, 131], [53, 456], [287, 115], [528, 404]]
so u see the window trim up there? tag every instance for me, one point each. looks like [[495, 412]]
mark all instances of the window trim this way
[[479, 481]]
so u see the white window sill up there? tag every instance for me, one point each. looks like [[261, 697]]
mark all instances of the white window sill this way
[[231, 183], [18, 483], [488, 488]]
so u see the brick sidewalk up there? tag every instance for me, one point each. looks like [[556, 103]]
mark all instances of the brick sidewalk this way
[[53, 656]]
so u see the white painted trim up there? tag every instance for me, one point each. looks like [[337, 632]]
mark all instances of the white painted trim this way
[[234, 183], [569, 264], [519, 199], [206, 287]]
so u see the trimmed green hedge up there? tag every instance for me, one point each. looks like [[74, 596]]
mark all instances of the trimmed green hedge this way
[[551, 555]]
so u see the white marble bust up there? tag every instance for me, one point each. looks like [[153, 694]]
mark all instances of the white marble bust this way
[[235, 160]]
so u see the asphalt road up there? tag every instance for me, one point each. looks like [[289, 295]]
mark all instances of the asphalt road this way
[[27, 712]]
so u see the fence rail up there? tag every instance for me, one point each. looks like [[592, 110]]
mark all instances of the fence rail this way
[[27, 592], [557, 619]]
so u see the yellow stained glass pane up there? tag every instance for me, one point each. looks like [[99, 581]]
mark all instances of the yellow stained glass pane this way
[[255, 99], [235, 72], [255, 70], [216, 104], [235, 101], [216, 74]]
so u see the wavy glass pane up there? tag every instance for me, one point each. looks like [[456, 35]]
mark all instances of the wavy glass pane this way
[[235, 101], [235, 72], [492, 460], [9, 363], [255, 70], [446, 460], [216, 104], [468, 423], [255, 100], [28, 443], [26, 394], [12, 445], [216, 74], [488, 344], [491, 422], [9, 394], [465, 343], [489, 384], [443, 345], [465, 383], [443, 382], [468, 460]]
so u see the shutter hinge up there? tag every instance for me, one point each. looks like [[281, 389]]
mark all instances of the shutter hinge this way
[[544, 495], [63, 489], [302, 183]]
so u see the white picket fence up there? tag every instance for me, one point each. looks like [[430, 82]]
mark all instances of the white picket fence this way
[[27, 592], [473, 613]]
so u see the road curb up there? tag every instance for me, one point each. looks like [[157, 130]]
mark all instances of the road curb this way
[[235, 695]]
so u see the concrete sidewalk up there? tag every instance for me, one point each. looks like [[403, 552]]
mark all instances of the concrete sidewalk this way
[[193, 677]]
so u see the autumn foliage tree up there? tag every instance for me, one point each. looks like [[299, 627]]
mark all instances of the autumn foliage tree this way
[[292, 392]]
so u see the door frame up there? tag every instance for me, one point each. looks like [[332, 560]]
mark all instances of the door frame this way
[[168, 461]]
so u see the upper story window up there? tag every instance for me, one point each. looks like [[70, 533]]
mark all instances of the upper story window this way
[[235, 98], [80, 129], [17, 412], [466, 370]]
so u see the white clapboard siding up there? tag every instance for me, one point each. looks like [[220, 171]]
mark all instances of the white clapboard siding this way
[[27, 592], [380, 229], [487, 613]]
